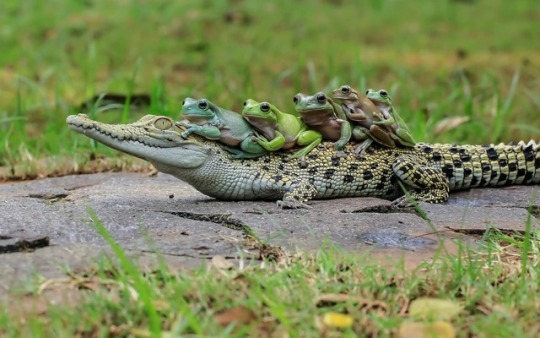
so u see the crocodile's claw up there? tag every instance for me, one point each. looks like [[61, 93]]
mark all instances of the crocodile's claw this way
[[292, 204]]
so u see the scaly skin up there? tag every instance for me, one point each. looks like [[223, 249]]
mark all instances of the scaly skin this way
[[279, 130], [383, 101], [206, 119], [427, 171], [322, 114]]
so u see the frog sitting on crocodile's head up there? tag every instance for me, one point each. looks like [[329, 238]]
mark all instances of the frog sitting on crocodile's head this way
[[206, 119]]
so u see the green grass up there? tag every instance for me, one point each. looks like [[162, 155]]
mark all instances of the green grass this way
[[496, 287], [476, 59]]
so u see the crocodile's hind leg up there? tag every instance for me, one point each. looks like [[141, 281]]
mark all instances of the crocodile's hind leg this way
[[426, 183], [299, 193]]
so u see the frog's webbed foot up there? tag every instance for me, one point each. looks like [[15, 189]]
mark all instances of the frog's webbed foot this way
[[339, 145], [298, 195], [426, 183], [363, 146]]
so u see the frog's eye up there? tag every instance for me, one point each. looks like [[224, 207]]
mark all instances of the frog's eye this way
[[245, 103], [367, 91], [295, 99], [345, 90], [265, 107], [321, 98], [163, 123], [183, 102], [203, 104], [383, 93]]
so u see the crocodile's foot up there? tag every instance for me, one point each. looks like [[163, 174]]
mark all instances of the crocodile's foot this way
[[292, 204], [299, 193], [403, 202], [428, 196], [424, 182]]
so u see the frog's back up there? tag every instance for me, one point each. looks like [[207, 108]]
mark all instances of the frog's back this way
[[235, 123]]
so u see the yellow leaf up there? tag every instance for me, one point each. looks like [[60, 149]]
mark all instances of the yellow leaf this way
[[334, 319], [432, 308], [426, 330]]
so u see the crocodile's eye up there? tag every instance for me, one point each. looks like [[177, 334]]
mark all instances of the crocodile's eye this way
[[383, 93], [345, 90], [163, 123], [295, 99], [321, 98], [265, 107], [203, 104]]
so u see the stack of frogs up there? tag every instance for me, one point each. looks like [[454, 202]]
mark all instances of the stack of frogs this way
[[262, 128]]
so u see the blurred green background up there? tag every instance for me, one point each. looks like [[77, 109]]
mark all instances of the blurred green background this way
[[458, 71]]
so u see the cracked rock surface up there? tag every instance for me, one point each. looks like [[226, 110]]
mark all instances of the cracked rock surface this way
[[163, 214]]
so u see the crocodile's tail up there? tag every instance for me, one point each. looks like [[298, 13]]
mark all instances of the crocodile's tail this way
[[471, 166]]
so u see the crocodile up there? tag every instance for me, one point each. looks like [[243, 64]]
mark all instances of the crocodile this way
[[425, 172]]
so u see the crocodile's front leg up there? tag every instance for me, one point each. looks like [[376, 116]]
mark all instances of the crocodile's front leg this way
[[428, 184]]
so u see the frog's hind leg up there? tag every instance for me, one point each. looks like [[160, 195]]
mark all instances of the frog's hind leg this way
[[239, 154], [310, 139], [404, 138], [382, 136], [250, 149], [363, 146], [428, 184], [361, 134]]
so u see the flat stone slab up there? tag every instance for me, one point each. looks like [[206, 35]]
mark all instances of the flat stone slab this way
[[163, 214]]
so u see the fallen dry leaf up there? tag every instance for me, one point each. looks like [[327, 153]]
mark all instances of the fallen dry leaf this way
[[238, 315], [338, 297], [338, 320], [449, 123], [433, 308], [426, 330], [222, 263]]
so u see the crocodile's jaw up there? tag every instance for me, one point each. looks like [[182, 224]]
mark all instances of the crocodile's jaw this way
[[171, 151]]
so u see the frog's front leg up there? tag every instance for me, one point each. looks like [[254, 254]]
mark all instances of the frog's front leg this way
[[273, 145], [428, 184], [298, 194], [308, 138], [207, 131], [385, 122], [346, 133]]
